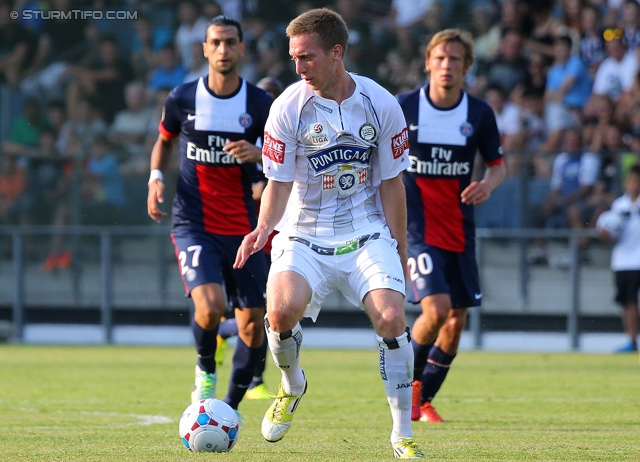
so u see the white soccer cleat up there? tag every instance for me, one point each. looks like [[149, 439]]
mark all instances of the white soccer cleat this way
[[204, 386], [277, 419]]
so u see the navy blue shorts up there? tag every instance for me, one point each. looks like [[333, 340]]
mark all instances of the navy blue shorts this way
[[205, 257], [436, 271]]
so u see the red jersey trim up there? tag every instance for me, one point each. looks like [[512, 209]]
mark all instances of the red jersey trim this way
[[164, 132], [495, 162]]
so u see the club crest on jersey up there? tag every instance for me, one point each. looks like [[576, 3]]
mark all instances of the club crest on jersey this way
[[245, 120], [323, 160], [466, 129], [346, 181], [367, 132], [318, 133]]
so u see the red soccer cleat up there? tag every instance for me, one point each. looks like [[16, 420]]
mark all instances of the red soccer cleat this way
[[50, 263], [428, 413], [65, 259], [415, 400]]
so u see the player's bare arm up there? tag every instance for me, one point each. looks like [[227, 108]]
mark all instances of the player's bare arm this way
[[160, 155], [244, 151], [394, 203], [479, 191], [272, 207]]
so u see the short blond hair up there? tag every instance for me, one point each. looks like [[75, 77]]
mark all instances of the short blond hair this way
[[452, 36], [327, 24]]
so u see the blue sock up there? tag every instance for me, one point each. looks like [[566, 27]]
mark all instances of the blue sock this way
[[244, 365], [262, 364], [205, 346], [420, 354], [435, 372], [228, 328]]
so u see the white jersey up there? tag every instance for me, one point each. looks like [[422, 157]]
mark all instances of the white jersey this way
[[336, 155], [626, 253]]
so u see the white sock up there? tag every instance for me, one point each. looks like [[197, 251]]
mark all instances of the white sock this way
[[286, 355], [396, 370]]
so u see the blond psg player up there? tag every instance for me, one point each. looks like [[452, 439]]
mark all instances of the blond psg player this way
[[446, 129]]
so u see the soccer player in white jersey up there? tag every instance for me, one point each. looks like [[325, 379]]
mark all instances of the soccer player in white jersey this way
[[334, 152], [447, 127]]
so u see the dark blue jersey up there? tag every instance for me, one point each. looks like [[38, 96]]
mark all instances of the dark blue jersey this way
[[214, 189], [442, 147]]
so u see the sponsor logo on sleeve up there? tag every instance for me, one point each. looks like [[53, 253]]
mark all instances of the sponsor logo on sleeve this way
[[400, 143], [273, 149]]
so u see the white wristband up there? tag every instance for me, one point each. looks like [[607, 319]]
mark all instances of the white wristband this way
[[156, 174]]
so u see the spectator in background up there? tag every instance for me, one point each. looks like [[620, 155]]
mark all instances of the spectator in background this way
[[486, 35], [567, 90], [617, 71], [101, 198], [509, 68], [629, 22], [44, 169], [271, 59], [17, 47], [199, 64], [406, 15], [24, 135], [101, 186], [64, 40], [13, 185], [507, 115], [57, 116], [103, 79], [129, 128], [191, 30], [534, 132], [574, 175], [625, 257], [591, 41], [360, 59], [536, 81], [546, 27], [147, 41], [77, 133], [169, 72]]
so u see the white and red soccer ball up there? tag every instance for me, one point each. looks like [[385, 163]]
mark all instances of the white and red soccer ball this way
[[209, 425]]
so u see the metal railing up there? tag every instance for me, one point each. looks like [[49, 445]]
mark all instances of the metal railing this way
[[107, 235]]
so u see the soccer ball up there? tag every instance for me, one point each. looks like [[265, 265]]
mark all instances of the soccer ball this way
[[209, 425], [611, 223]]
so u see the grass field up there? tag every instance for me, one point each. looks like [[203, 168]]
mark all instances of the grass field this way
[[123, 404]]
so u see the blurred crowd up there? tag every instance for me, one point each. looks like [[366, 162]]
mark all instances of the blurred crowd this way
[[85, 95]]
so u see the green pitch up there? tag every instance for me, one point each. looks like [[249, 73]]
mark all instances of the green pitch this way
[[123, 404]]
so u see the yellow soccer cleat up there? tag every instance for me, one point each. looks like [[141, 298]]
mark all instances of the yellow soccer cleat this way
[[407, 448], [277, 419], [258, 392]]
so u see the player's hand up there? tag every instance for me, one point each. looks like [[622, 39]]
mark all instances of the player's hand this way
[[154, 199], [244, 151], [476, 193], [252, 242]]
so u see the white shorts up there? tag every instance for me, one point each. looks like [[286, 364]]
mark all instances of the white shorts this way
[[354, 263]]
